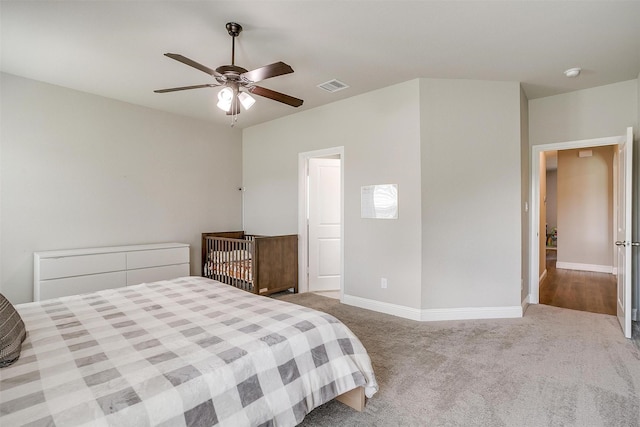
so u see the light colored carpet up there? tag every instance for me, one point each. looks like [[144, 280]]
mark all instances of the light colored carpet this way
[[554, 367]]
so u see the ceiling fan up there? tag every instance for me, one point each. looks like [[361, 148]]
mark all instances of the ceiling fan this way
[[237, 82]]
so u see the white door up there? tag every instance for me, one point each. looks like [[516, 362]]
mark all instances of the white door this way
[[324, 224], [623, 238]]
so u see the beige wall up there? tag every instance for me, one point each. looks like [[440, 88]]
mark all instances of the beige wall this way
[[471, 193], [79, 170], [585, 114], [379, 131], [434, 138], [585, 207]]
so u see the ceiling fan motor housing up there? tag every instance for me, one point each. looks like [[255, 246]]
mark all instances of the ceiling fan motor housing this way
[[229, 73]]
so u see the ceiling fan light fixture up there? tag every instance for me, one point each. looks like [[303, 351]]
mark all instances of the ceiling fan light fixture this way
[[225, 98], [246, 100]]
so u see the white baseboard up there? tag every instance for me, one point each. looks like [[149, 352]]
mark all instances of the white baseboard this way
[[542, 276], [434, 314], [382, 307], [470, 313], [585, 267]]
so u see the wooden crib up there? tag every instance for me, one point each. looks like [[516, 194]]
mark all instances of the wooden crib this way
[[258, 264]]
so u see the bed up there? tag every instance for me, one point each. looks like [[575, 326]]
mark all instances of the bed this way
[[258, 264], [184, 352]]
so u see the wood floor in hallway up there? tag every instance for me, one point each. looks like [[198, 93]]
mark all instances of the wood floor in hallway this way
[[578, 290]]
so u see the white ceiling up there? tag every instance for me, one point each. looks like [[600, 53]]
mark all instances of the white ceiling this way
[[115, 48]]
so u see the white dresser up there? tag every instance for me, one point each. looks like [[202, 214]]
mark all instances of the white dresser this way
[[76, 271]]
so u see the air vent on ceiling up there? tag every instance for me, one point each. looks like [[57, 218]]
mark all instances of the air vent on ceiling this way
[[333, 85]]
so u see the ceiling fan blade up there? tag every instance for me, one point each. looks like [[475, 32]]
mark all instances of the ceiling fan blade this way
[[191, 63], [266, 72], [174, 89], [276, 96]]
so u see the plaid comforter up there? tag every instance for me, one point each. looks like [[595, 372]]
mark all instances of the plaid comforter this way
[[185, 352]]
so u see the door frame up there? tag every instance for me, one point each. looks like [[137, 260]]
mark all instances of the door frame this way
[[534, 202], [303, 231]]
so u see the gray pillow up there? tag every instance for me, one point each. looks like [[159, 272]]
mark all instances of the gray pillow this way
[[12, 333]]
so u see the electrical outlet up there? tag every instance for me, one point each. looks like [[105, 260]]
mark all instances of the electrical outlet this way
[[383, 283]]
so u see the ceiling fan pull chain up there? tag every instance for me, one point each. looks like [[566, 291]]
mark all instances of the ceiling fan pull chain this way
[[234, 111]]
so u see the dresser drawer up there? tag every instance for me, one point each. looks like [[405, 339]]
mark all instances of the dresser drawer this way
[[157, 257], [79, 285], [75, 271], [54, 268], [154, 274]]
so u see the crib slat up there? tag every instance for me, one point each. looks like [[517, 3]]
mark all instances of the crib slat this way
[[230, 261]]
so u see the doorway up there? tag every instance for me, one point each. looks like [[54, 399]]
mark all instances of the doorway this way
[[320, 222], [578, 231], [622, 219]]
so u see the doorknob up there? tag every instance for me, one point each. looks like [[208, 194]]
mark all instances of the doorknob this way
[[619, 243]]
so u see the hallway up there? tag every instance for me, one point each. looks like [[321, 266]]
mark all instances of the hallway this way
[[578, 290]]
